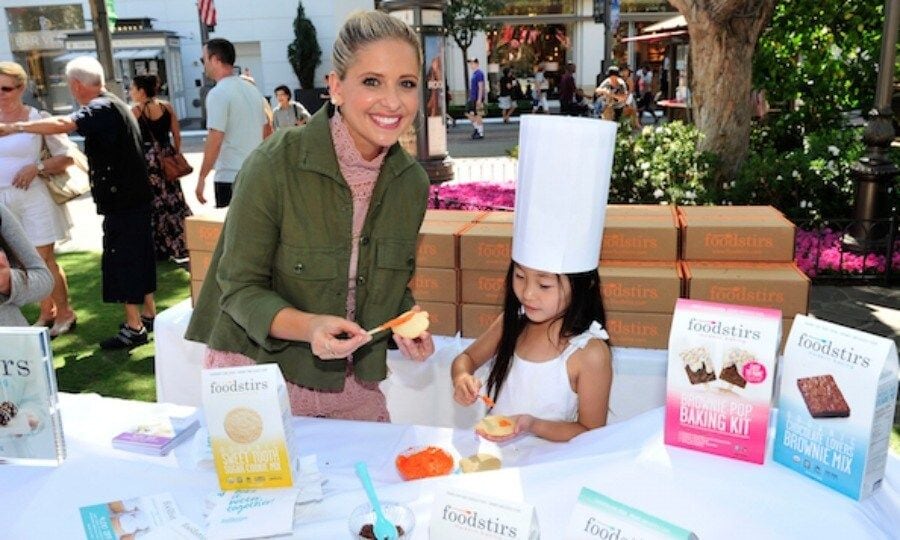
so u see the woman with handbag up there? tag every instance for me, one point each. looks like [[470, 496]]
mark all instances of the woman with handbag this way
[[24, 192], [157, 120]]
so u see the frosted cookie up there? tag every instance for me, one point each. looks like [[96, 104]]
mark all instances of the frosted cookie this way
[[698, 365], [733, 367], [414, 326], [496, 426], [479, 462], [243, 425]]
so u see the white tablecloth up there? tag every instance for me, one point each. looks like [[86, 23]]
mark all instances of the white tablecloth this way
[[715, 497], [417, 393]]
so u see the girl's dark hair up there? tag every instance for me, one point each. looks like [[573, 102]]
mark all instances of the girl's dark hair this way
[[585, 306], [148, 83]]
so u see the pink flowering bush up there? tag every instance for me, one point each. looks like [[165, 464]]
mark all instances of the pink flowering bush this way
[[474, 196], [822, 252]]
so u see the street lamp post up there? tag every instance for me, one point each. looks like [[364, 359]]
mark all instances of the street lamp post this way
[[427, 139], [874, 172]]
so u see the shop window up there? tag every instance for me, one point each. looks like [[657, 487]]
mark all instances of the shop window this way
[[538, 7], [521, 47]]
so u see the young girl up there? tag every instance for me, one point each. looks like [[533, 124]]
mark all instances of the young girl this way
[[552, 372], [24, 277]]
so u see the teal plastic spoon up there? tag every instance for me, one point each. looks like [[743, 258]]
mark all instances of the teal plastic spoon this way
[[383, 528]]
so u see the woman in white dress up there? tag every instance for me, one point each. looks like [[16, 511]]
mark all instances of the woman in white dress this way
[[25, 194]]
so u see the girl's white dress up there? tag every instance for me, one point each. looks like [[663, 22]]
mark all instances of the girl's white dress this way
[[542, 389]]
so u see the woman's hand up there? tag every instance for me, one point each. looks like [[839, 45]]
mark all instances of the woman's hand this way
[[466, 388], [522, 424], [335, 338], [25, 176], [418, 349]]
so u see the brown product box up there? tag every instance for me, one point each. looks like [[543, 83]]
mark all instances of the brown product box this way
[[481, 287], [641, 330], [497, 216], [773, 285], [441, 318], [474, 319], [486, 246], [200, 261], [195, 291], [735, 233], [640, 232], [202, 232], [463, 216], [434, 285], [643, 286], [438, 244]]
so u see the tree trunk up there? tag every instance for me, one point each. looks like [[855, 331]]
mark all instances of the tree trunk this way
[[723, 38], [465, 52]]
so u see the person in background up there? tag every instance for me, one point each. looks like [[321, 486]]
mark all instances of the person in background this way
[[288, 113], [507, 105], [567, 91], [630, 109], [614, 92], [539, 91], [24, 278], [477, 95], [25, 194], [320, 240], [161, 133], [121, 191], [232, 111], [645, 91]]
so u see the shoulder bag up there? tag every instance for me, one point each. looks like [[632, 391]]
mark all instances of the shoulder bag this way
[[173, 164], [62, 186]]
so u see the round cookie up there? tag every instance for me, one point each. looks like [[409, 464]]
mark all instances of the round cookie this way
[[496, 426], [414, 326], [243, 425], [479, 462]]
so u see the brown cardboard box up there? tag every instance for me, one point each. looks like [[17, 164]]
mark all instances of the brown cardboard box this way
[[200, 261], [481, 287], [785, 332], [640, 232], [486, 246], [735, 233], [464, 216], [438, 244], [773, 285], [195, 291], [474, 319], [434, 285], [642, 330], [643, 286], [497, 216], [202, 232], [441, 318]]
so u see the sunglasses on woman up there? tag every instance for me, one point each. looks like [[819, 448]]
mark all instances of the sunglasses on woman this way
[[6, 89]]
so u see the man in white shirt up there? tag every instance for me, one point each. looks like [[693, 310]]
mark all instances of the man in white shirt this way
[[233, 106]]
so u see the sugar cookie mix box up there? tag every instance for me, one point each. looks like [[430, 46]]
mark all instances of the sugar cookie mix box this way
[[721, 371], [836, 405], [248, 417]]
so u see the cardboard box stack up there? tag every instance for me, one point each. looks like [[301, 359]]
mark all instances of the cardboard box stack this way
[[485, 250], [435, 284], [201, 236], [639, 274], [743, 255]]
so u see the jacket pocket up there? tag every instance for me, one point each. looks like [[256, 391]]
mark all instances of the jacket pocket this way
[[395, 261], [303, 276]]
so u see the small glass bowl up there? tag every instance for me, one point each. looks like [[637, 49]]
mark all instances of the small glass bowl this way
[[397, 513]]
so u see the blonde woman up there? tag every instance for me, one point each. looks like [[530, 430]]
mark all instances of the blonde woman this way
[[25, 194]]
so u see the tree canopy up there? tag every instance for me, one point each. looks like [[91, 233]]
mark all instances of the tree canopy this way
[[304, 53]]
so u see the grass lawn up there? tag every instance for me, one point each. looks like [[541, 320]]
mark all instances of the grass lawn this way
[[81, 366]]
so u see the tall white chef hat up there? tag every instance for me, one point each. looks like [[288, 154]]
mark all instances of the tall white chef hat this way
[[565, 165]]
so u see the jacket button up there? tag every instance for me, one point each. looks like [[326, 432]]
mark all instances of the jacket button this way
[[364, 241], [298, 267], [361, 280], [410, 261], [113, 189]]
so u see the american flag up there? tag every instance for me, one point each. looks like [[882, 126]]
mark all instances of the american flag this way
[[207, 12]]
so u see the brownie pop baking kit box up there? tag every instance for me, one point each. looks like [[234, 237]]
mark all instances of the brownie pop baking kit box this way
[[248, 417], [721, 370], [836, 405]]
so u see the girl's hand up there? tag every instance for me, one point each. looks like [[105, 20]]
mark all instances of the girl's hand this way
[[25, 176], [522, 424], [334, 338], [465, 389], [418, 349]]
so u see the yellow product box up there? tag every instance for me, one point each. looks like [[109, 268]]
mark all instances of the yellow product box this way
[[640, 232], [248, 416], [434, 285], [481, 287], [438, 244], [202, 231], [441, 318], [640, 285], [200, 261], [474, 319], [735, 233], [460, 216], [486, 246], [641, 330], [770, 285], [497, 216]]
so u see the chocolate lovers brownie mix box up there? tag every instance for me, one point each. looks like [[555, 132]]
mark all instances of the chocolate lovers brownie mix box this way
[[835, 405], [720, 378]]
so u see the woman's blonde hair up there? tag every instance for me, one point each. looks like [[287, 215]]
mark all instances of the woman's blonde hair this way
[[365, 27], [14, 70]]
